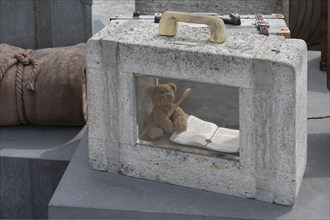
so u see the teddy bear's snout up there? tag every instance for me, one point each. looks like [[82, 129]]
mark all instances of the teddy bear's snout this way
[[168, 97], [163, 92]]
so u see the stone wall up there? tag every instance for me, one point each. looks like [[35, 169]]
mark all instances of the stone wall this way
[[33, 24]]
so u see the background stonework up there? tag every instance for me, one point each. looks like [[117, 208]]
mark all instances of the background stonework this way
[[216, 6]]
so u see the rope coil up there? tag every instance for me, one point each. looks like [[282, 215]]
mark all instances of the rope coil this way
[[19, 93], [35, 72], [21, 60]]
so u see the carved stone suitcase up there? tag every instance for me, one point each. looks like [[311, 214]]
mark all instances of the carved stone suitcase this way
[[269, 73]]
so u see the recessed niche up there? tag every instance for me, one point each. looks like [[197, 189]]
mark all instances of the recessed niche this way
[[212, 103]]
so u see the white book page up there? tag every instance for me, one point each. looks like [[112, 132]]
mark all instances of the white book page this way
[[225, 140], [196, 134]]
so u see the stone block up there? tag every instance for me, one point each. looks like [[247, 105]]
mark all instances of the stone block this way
[[32, 162], [270, 73], [33, 24], [27, 186]]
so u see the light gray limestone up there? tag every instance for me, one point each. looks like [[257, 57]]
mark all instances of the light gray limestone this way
[[270, 73]]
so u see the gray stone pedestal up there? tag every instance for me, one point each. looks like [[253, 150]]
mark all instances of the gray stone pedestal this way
[[85, 193], [32, 162]]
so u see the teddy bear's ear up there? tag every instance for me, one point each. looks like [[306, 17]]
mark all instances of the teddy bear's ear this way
[[151, 91], [172, 85]]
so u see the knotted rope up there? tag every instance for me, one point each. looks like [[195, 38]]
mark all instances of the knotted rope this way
[[35, 72], [22, 59]]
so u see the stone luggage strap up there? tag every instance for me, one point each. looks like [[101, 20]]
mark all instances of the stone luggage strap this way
[[262, 25]]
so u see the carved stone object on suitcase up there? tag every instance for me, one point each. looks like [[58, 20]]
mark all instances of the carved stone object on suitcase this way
[[43, 87]]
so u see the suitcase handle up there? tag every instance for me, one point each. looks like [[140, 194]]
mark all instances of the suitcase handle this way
[[168, 24]]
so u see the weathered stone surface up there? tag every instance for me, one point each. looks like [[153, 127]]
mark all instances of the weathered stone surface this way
[[27, 186], [222, 7], [270, 73], [32, 162], [33, 24]]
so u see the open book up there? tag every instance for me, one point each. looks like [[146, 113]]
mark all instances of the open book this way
[[208, 135]]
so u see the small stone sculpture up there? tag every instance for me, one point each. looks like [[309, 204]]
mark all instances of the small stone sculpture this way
[[162, 97]]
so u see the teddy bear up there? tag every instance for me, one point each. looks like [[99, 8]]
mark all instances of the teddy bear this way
[[158, 124]]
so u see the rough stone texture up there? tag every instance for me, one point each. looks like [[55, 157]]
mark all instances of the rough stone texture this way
[[222, 7], [27, 186], [32, 162], [270, 73], [33, 24]]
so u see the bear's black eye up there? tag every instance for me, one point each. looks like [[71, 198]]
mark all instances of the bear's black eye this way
[[162, 92]]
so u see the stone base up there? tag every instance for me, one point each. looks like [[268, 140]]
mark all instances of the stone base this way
[[32, 162], [27, 185], [85, 193]]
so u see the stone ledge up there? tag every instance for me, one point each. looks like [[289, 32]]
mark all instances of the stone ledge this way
[[39, 142], [86, 193]]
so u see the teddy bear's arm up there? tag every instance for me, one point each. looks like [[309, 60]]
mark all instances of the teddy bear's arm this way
[[179, 120], [162, 121]]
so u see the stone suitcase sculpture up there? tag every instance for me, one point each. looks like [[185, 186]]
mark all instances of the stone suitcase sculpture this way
[[270, 72], [44, 87]]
